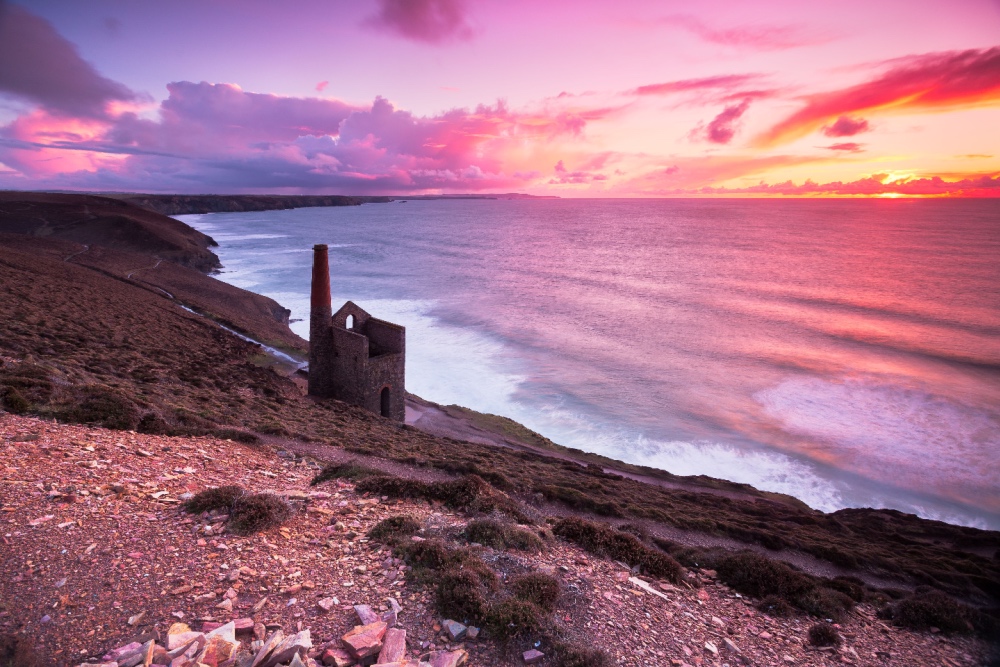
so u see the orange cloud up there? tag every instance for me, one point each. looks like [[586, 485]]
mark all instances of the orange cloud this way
[[927, 82]]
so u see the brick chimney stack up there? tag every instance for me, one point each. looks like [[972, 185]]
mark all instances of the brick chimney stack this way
[[320, 323]]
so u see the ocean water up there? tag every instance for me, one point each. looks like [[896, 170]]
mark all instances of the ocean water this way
[[844, 352]]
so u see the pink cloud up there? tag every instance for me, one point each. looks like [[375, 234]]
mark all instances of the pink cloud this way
[[723, 82], [321, 86], [845, 126], [724, 126], [932, 81], [847, 146], [429, 21], [218, 137], [759, 37], [38, 64], [560, 167]]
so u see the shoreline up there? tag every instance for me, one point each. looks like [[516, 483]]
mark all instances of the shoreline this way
[[136, 361]]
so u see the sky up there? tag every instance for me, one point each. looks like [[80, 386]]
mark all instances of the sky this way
[[631, 98]]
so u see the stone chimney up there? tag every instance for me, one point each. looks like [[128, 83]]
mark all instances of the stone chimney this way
[[320, 324]]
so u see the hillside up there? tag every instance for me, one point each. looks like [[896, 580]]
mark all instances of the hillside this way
[[111, 223], [107, 337]]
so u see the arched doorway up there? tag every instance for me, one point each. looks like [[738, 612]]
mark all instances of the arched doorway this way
[[349, 324], [386, 402]]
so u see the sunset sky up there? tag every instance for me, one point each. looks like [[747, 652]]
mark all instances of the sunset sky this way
[[629, 98]]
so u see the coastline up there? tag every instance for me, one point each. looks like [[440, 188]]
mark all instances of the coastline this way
[[90, 331]]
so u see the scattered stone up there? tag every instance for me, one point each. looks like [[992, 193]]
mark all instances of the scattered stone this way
[[393, 646], [365, 640], [326, 604], [366, 615], [730, 645], [472, 632], [134, 620], [454, 629], [532, 656], [448, 658], [299, 643], [711, 648], [337, 657]]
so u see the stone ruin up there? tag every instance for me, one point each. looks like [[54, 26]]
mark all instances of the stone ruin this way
[[353, 356]]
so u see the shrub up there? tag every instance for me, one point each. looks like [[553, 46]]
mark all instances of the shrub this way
[[426, 554], [461, 595], [349, 470], [465, 560], [236, 435], [931, 609], [500, 535], [153, 424], [752, 574], [823, 634], [849, 586], [14, 401], [604, 541], [219, 498], [775, 606], [540, 589], [571, 655], [824, 603], [17, 651], [394, 529], [512, 617], [105, 406], [260, 511], [470, 493]]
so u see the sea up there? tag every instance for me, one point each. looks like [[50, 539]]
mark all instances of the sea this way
[[845, 352]]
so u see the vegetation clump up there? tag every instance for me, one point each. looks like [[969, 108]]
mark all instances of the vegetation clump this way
[[775, 606], [17, 651], [260, 511], [394, 529], [502, 535], [13, 401], [927, 609], [470, 493], [350, 470], [462, 595], [512, 617], [104, 406], [218, 498], [750, 573], [602, 540], [540, 589], [248, 513], [824, 634], [568, 654]]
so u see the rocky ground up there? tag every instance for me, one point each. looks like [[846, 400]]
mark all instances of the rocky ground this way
[[97, 551]]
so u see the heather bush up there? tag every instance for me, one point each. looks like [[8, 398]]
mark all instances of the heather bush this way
[[394, 529], [219, 498], [260, 511], [605, 541], [823, 634], [540, 589]]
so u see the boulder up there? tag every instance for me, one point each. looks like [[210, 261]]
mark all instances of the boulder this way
[[394, 646], [364, 641], [297, 644], [532, 656], [269, 645], [454, 629], [365, 614], [336, 657], [448, 658]]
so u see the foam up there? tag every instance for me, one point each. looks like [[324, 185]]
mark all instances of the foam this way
[[880, 429]]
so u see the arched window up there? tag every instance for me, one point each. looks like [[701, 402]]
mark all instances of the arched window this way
[[386, 403], [350, 322]]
